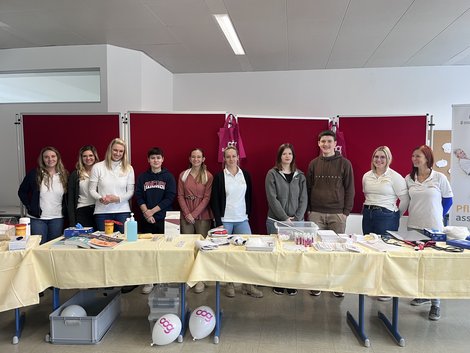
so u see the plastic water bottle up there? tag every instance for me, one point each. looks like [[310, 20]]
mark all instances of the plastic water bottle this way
[[130, 228]]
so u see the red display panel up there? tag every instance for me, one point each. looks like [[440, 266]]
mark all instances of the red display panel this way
[[67, 133], [364, 134], [177, 134], [262, 138]]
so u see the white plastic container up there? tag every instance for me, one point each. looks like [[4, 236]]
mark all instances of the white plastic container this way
[[27, 221]]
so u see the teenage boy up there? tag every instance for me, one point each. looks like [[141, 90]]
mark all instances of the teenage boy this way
[[330, 188], [155, 193]]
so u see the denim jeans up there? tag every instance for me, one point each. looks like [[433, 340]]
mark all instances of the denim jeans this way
[[48, 228], [119, 217], [238, 227], [379, 220]]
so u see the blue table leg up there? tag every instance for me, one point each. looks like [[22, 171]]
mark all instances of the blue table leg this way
[[55, 298], [218, 313], [184, 314], [19, 324], [393, 326], [358, 328]]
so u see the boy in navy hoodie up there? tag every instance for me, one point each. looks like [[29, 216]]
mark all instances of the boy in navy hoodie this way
[[155, 192]]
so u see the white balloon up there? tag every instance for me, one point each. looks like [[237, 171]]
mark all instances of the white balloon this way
[[201, 322], [166, 329], [73, 311]]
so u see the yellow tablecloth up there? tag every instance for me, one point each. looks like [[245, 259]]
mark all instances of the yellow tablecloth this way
[[140, 262], [17, 276], [405, 273]]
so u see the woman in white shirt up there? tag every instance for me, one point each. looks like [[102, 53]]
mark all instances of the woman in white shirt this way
[[383, 187], [43, 192], [430, 200], [112, 186], [81, 205], [231, 205]]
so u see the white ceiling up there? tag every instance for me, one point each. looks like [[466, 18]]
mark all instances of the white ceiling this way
[[277, 35]]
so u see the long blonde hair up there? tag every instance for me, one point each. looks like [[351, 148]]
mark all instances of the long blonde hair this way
[[109, 152], [42, 173]]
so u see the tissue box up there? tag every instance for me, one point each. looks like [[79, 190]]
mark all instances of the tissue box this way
[[18, 244], [435, 234], [74, 231]]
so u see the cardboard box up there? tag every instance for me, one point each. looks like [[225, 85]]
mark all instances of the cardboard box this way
[[74, 232], [435, 234]]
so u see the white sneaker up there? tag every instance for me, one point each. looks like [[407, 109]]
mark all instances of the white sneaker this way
[[199, 287], [146, 289]]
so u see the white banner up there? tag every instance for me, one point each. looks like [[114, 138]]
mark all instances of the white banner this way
[[460, 166]]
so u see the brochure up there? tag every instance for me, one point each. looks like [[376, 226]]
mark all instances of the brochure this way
[[93, 241]]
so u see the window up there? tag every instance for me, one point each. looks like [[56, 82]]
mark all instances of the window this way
[[50, 86]]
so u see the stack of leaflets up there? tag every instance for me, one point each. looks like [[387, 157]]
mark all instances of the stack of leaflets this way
[[93, 241]]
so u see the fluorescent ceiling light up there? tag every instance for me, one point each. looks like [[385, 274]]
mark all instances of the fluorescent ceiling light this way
[[227, 27]]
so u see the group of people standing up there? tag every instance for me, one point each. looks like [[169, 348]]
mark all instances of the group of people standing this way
[[98, 191], [327, 195]]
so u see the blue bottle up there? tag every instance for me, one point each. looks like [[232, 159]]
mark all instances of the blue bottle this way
[[130, 228]]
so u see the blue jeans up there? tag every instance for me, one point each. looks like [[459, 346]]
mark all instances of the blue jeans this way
[[237, 227], [379, 220], [270, 227], [119, 217], [48, 228]]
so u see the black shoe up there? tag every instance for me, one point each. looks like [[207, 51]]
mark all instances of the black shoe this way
[[278, 290], [291, 292], [127, 289]]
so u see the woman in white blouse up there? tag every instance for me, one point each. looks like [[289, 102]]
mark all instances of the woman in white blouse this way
[[382, 187], [112, 186]]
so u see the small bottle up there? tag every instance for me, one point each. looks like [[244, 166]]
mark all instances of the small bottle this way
[[130, 228], [27, 221]]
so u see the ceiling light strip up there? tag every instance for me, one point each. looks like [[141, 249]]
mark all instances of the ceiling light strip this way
[[229, 31]]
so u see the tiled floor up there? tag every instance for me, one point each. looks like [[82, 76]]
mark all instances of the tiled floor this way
[[269, 325]]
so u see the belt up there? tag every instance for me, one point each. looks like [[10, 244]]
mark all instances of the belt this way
[[190, 197], [373, 207]]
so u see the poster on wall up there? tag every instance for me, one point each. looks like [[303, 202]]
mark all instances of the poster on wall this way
[[460, 166]]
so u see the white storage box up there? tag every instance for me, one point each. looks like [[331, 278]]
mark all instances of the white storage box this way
[[102, 307], [297, 227]]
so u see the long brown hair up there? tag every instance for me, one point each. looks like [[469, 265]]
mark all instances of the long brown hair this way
[[80, 166], [42, 173], [280, 151]]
